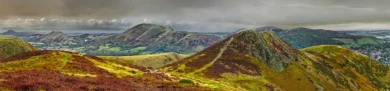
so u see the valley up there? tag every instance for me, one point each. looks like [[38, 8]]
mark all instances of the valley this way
[[194, 45]]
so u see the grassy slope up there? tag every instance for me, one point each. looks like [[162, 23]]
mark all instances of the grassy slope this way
[[12, 46], [317, 68], [151, 60], [65, 62], [323, 67], [349, 68], [240, 70], [49, 69]]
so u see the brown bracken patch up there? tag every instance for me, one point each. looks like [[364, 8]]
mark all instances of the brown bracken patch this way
[[34, 80]]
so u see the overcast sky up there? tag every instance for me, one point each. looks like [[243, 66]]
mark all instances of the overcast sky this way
[[325, 14]]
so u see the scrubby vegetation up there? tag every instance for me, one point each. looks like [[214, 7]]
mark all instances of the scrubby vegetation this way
[[53, 80], [151, 60], [60, 70]]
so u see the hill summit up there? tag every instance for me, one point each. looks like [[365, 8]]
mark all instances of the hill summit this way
[[234, 55], [258, 60]]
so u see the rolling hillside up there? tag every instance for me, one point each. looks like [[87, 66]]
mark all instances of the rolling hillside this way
[[348, 67], [60, 70], [261, 61], [11, 46], [151, 60], [246, 61]]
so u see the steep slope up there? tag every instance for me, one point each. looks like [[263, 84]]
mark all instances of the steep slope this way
[[261, 61], [160, 39], [60, 70], [239, 48], [151, 60], [11, 46]]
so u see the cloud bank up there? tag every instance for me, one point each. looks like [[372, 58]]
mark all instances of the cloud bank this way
[[327, 14]]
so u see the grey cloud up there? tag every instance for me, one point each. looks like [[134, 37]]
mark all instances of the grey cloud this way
[[285, 13]]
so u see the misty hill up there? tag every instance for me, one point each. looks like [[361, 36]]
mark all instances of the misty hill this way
[[9, 32], [157, 38], [60, 38], [261, 61], [55, 37], [14, 33], [305, 37], [10, 46]]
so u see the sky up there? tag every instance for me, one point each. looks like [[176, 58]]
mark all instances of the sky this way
[[215, 15]]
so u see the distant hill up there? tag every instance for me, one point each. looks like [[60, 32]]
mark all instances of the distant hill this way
[[150, 60], [305, 37], [14, 33], [56, 37], [261, 61], [9, 32], [159, 38], [10, 46], [61, 70]]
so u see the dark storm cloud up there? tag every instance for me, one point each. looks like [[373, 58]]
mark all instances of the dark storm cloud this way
[[98, 8], [285, 13]]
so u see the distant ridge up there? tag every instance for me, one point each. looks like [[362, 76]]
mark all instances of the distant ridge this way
[[56, 37], [305, 37], [156, 36], [14, 33]]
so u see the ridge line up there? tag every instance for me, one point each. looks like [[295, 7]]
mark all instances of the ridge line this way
[[222, 50]]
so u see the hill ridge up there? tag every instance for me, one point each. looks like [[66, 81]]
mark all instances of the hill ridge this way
[[222, 50], [245, 45], [158, 38]]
